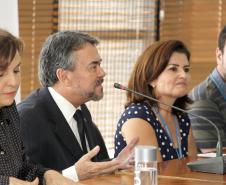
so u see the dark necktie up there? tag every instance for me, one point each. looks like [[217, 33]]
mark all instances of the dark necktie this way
[[80, 123]]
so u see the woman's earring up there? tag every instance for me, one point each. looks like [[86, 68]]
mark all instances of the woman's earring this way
[[153, 86]]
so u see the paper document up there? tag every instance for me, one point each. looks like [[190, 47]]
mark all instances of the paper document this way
[[211, 154]]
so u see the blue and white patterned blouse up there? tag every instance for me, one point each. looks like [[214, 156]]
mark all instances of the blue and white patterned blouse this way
[[143, 111]]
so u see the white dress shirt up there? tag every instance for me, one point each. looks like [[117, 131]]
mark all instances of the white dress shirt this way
[[68, 111]]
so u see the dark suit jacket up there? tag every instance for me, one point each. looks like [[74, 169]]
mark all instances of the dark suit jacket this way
[[47, 136]]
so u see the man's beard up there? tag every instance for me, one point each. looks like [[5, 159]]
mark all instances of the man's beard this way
[[96, 97], [93, 95]]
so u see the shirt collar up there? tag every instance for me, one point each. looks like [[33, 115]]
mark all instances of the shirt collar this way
[[9, 113], [64, 105], [220, 82]]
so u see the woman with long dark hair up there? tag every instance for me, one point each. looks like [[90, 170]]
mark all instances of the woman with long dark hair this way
[[162, 72]]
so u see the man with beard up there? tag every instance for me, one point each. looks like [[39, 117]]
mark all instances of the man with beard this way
[[56, 126]]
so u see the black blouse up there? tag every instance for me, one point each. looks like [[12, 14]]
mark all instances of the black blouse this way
[[13, 161]]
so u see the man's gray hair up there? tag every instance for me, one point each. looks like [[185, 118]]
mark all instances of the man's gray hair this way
[[57, 52]]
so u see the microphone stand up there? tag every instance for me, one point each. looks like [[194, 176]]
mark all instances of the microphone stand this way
[[212, 165]]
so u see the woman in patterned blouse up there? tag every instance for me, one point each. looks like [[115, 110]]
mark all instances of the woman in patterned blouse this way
[[15, 169], [162, 72]]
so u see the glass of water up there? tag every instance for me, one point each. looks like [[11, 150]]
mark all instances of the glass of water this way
[[145, 165]]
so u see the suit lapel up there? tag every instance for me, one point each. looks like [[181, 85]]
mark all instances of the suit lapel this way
[[61, 127]]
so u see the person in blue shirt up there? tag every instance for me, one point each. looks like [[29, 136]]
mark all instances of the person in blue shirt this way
[[210, 102]]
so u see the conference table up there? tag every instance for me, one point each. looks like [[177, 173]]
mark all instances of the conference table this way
[[169, 173]]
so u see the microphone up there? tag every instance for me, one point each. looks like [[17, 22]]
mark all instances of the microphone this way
[[212, 165]]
